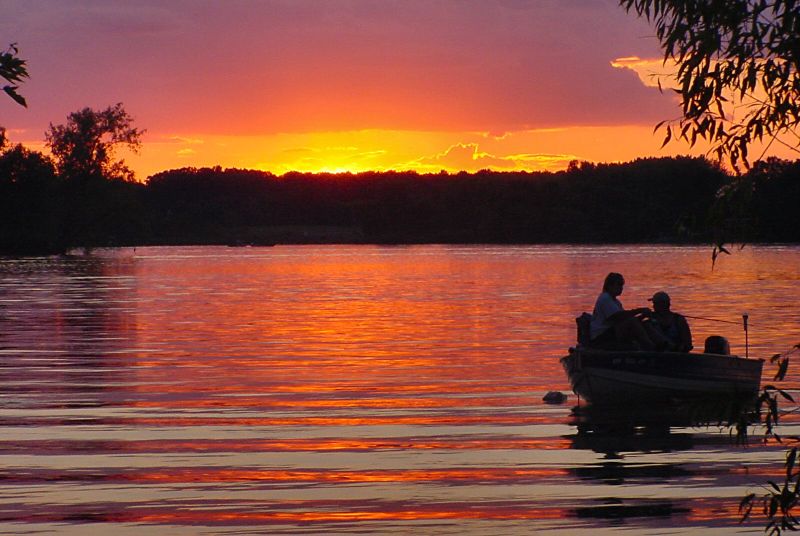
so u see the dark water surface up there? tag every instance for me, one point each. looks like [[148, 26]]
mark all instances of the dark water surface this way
[[345, 389]]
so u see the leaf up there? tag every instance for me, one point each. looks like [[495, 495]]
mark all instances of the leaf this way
[[668, 137], [791, 458], [11, 91], [781, 374], [747, 505]]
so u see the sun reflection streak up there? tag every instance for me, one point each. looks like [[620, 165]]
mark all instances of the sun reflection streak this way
[[283, 445]]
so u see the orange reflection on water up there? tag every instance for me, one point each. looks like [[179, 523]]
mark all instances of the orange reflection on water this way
[[453, 475], [715, 510], [198, 379], [343, 403], [287, 445], [406, 420], [323, 514]]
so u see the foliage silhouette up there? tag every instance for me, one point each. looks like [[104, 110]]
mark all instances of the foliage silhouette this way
[[647, 200], [738, 76], [642, 201], [84, 147], [29, 202], [779, 500], [100, 200], [14, 70], [739, 82]]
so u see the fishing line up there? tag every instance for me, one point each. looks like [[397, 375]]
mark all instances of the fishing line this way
[[712, 319], [760, 327]]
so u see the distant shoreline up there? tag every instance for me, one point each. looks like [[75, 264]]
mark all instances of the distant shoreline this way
[[653, 200]]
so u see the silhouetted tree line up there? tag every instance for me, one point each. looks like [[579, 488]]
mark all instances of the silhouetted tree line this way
[[81, 196], [647, 200]]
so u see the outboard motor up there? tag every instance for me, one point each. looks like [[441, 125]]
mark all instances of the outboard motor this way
[[716, 344]]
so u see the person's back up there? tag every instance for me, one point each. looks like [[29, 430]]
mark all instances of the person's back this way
[[604, 308], [668, 325]]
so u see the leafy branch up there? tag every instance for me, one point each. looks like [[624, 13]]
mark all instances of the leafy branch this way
[[15, 71], [780, 499], [778, 502], [737, 78]]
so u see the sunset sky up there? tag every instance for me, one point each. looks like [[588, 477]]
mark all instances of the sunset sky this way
[[347, 85]]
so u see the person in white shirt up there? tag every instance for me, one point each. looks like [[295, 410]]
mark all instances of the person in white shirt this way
[[612, 325]]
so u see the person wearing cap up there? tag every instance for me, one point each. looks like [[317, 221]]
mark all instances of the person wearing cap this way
[[669, 325], [612, 326]]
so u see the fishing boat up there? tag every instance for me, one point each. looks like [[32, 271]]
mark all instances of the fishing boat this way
[[634, 376]]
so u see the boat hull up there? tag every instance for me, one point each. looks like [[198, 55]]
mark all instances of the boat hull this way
[[601, 376]]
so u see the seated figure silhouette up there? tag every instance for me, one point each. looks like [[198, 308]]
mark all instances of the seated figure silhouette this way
[[614, 327]]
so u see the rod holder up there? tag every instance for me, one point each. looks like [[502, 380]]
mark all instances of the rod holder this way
[[745, 316]]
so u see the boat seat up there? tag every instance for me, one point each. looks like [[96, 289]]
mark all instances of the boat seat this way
[[584, 323]]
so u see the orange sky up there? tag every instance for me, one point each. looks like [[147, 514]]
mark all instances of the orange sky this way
[[347, 85]]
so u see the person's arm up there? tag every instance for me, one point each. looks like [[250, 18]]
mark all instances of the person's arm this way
[[620, 316]]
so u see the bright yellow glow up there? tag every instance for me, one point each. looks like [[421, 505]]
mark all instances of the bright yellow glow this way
[[382, 150], [425, 152]]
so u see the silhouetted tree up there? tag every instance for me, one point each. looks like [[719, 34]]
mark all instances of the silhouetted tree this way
[[84, 148], [22, 166], [30, 202], [99, 192], [775, 197]]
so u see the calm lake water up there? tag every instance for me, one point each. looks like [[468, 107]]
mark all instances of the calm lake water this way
[[360, 389]]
